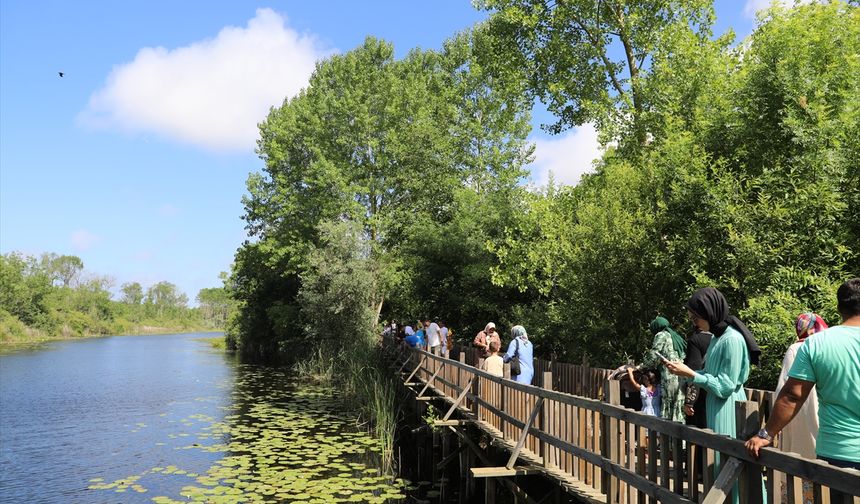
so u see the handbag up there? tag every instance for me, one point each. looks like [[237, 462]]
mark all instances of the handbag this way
[[515, 360]]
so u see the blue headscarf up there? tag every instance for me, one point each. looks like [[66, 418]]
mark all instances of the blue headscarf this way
[[519, 331]]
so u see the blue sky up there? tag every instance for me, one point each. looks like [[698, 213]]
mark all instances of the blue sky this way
[[136, 159]]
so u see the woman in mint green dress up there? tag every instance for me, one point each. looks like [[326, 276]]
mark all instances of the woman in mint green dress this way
[[727, 361], [674, 347]]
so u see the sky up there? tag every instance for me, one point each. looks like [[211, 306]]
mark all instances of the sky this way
[[136, 159]]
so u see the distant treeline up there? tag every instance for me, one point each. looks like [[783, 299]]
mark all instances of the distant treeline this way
[[53, 297], [393, 187]]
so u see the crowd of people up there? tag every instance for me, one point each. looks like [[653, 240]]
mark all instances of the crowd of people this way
[[698, 379]]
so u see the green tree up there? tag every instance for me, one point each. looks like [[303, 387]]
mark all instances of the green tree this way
[[132, 293], [567, 52], [65, 269], [380, 142], [215, 305], [164, 297], [337, 296]]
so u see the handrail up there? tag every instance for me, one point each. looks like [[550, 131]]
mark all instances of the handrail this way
[[611, 417]]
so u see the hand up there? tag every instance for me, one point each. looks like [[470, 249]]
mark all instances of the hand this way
[[754, 444], [680, 369], [688, 410]]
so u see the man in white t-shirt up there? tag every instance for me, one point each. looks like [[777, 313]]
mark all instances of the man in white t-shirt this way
[[434, 340]]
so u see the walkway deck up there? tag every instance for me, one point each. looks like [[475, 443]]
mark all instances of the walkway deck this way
[[603, 452]]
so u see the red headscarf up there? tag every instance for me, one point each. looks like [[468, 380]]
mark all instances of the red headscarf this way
[[808, 324]]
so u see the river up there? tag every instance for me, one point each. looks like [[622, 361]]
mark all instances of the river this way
[[169, 419]]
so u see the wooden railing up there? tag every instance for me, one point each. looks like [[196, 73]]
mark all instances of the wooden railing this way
[[627, 456], [586, 381]]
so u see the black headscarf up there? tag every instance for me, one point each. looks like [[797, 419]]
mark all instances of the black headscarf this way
[[711, 305]]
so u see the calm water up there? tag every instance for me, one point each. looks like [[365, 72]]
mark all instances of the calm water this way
[[168, 419]]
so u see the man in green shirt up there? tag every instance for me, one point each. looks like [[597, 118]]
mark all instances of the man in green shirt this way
[[829, 361]]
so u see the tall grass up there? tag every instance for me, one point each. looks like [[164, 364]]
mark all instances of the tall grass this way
[[360, 375]]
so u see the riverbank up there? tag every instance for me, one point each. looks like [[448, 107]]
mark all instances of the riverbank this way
[[15, 336]]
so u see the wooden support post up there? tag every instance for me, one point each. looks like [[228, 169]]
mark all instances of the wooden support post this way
[[420, 363], [489, 491], [546, 416], [609, 447], [431, 380], [524, 433], [476, 383], [408, 358], [747, 424], [460, 398], [730, 471], [652, 461]]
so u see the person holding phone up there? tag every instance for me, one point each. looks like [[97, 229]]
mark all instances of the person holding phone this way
[[668, 345], [727, 367]]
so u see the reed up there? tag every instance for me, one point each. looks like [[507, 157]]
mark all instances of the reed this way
[[360, 376]]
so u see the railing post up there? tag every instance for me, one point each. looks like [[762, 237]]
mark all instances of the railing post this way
[[476, 389], [546, 415], [609, 446], [747, 424]]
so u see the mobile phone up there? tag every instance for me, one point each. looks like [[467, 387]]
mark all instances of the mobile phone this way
[[661, 356]]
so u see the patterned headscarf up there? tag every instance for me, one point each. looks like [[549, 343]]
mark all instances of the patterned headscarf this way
[[519, 331], [678, 343], [808, 324]]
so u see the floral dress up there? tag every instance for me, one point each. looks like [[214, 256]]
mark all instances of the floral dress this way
[[672, 405]]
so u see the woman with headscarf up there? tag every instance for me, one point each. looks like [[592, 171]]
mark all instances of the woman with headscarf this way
[[799, 435], [523, 349], [727, 366], [673, 346], [485, 337]]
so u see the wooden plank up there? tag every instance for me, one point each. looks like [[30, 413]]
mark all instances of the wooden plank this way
[[513, 459], [613, 394], [420, 363], [546, 416], [747, 424], [458, 401], [664, 460], [449, 423], [652, 461], [692, 483], [708, 464], [678, 466], [499, 472], [432, 379], [725, 481]]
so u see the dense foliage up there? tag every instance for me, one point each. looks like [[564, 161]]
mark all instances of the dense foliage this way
[[52, 296], [734, 166]]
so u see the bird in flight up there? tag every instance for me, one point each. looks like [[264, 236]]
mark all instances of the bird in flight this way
[[61, 73]]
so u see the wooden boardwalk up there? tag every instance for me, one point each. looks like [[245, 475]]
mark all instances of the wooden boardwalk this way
[[572, 429]]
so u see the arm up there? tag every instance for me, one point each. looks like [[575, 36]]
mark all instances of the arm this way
[[788, 403], [632, 380], [724, 382], [512, 349]]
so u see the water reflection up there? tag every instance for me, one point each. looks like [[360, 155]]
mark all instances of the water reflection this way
[[167, 419]]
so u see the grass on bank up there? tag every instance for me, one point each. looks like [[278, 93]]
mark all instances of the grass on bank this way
[[14, 334]]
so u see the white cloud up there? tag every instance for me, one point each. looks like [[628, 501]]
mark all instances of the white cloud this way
[[213, 92], [84, 240], [567, 157]]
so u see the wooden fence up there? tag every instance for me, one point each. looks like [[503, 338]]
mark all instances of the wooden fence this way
[[563, 426]]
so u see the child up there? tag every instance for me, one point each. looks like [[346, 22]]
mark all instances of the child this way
[[648, 390], [494, 364]]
